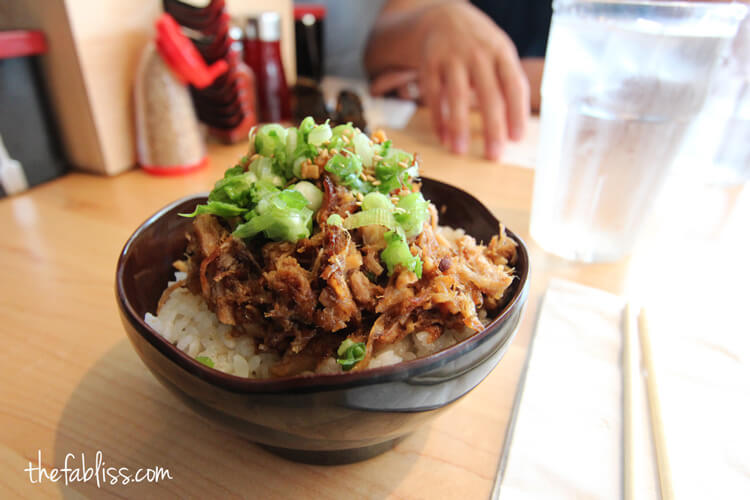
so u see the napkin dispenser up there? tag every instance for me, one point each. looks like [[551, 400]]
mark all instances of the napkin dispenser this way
[[30, 152]]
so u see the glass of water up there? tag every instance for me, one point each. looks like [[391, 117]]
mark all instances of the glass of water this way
[[623, 81], [719, 146]]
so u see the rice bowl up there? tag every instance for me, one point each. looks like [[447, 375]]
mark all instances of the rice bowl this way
[[302, 417]]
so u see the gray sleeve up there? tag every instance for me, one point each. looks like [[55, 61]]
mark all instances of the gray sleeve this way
[[346, 29]]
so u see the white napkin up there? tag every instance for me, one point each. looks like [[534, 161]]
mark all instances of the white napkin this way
[[566, 440]]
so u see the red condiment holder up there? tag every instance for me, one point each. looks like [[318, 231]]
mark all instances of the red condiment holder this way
[[182, 56]]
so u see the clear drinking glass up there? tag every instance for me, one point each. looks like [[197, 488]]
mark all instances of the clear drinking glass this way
[[724, 130], [623, 81]]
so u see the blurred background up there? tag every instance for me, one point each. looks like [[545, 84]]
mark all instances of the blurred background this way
[[94, 91]]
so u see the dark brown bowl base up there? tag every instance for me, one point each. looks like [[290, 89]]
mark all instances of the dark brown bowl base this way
[[252, 432], [333, 457]]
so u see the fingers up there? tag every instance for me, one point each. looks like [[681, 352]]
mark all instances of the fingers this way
[[392, 80], [429, 86], [457, 91], [491, 106], [515, 88], [500, 86]]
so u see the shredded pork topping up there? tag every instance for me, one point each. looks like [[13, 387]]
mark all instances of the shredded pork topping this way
[[303, 299]]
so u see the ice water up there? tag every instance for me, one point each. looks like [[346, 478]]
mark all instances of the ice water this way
[[619, 95], [607, 172]]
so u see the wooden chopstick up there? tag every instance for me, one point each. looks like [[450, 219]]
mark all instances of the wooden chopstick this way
[[657, 426], [629, 382]]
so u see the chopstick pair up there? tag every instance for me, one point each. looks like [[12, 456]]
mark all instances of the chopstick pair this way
[[631, 378]]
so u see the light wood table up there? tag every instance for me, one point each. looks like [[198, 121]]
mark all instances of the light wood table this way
[[70, 382]]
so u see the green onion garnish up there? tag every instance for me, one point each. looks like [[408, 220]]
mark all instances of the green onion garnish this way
[[350, 353]]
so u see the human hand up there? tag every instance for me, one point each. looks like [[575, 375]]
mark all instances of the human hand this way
[[462, 50]]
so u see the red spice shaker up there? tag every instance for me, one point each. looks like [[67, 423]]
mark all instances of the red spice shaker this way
[[263, 55], [168, 139]]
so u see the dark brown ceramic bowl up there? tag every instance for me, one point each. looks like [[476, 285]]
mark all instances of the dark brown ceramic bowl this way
[[320, 419]]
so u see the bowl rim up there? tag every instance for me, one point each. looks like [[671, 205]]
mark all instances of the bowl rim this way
[[318, 382]]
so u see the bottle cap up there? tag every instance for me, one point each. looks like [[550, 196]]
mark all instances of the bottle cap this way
[[182, 57], [317, 11], [269, 27], [21, 43]]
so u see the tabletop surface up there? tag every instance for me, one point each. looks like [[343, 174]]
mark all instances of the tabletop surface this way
[[70, 382]]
